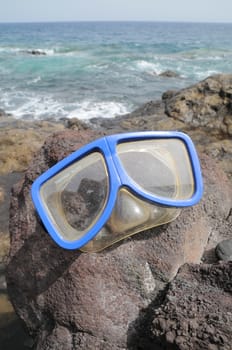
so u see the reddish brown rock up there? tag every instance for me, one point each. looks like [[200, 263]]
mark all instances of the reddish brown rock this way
[[197, 310], [70, 300]]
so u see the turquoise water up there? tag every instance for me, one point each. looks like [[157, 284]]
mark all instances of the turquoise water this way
[[92, 69]]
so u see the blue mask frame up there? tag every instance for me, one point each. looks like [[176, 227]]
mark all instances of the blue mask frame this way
[[117, 178]]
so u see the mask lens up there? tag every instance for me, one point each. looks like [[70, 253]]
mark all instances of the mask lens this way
[[75, 198], [160, 167]]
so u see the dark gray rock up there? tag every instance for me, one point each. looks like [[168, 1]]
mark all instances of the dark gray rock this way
[[169, 74], [36, 52], [197, 310], [2, 278], [224, 250], [168, 94]]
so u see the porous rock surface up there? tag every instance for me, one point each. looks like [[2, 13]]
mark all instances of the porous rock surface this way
[[197, 310], [70, 300], [206, 104]]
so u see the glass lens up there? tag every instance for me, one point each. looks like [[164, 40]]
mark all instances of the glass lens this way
[[75, 197], [161, 167]]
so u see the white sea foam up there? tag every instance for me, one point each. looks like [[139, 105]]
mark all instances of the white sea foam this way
[[107, 72], [34, 81], [29, 105], [204, 74], [105, 109], [149, 67], [37, 108]]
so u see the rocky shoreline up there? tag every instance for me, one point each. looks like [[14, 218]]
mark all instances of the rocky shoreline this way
[[204, 111]]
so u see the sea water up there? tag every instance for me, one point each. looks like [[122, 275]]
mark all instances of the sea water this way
[[103, 69]]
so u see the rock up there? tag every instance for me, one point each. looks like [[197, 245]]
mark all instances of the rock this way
[[206, 104], [169, 74], [203, 111], [224, 250], [2, 278], [4, 114], [19, 140], [36, 52], [2, 195], [222, 228], [168, 94], [4, 247], [6, 182], [197, 310], [102, 300], [75, 124]]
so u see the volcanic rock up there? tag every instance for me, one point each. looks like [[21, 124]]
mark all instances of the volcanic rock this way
[[169, 74], [19, 140], [36, 52], [224, 250], [207, 104], [203, 110], [68, 299], [197, 310]]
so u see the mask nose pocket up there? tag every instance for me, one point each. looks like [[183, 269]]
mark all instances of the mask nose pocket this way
[[129, 216], [129, 211]]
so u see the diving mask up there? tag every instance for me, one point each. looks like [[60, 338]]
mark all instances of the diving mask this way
[[117, 186]]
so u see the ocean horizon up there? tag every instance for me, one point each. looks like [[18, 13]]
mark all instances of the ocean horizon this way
[[103, 69]]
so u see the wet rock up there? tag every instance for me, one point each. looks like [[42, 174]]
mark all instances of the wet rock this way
[[4, 114], [169, 74], [102, 300], [197, 310], [168, 94], [36, 52], [224, 250]]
